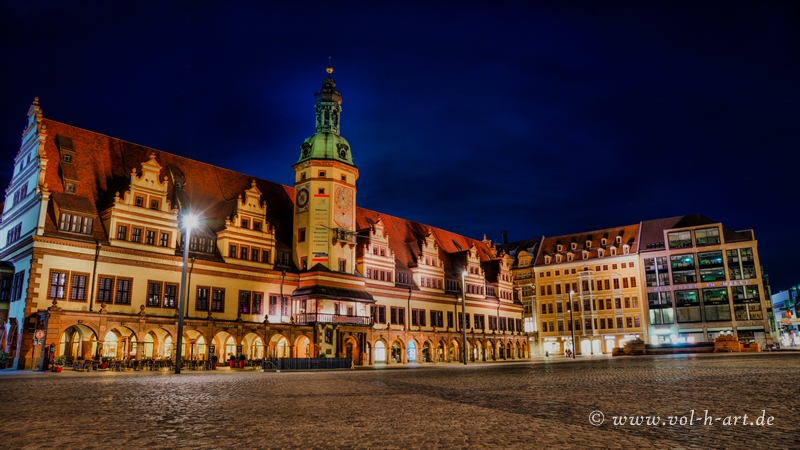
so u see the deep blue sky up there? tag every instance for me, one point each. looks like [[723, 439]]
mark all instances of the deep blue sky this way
[[543, 119]]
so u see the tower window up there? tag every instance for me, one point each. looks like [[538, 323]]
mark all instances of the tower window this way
[[322, 191], [303, 176], [322, 174], [344, 178], [301, 235]]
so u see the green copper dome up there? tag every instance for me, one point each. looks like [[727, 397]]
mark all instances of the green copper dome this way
[[327, 143]]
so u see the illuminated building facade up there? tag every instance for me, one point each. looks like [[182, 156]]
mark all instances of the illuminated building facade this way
[[601, 269], [91, 241], [703, 280]]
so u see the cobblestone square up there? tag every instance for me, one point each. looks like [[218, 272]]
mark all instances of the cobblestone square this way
[[536, 404]]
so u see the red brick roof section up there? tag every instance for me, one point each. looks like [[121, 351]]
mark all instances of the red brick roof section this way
[[104, 165], [405, 235], [629, 233]]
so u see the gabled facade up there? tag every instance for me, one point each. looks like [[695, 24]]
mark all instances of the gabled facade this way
[[90, 241]]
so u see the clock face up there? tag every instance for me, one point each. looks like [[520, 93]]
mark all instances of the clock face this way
[[302, 199], [344, 199], [343, 219]]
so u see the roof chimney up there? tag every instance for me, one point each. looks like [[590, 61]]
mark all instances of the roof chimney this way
[[505, 236]]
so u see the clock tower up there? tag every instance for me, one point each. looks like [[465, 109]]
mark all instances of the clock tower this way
[[325, 190]]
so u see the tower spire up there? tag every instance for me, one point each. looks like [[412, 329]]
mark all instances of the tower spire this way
[[327, 142]]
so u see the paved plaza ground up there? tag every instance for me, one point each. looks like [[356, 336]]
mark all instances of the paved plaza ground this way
[[534, 404]]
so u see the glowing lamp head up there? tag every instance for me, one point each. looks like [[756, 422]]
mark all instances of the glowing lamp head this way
[[190, 221], [464, 273]]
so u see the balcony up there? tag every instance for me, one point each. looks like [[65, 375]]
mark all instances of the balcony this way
[[303, 319], [342, 235]]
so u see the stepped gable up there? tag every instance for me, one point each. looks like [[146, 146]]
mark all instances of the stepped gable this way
[[104, 165], [405, 235]]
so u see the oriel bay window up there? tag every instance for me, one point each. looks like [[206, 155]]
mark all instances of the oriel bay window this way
[[687, 306], [715, 302]]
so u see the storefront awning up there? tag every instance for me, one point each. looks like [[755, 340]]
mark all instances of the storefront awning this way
[[753, 328]]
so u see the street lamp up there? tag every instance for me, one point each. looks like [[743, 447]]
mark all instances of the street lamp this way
[[189, 222], [464, 312], [572, 323]]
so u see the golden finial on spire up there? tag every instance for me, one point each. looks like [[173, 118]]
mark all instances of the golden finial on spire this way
[[329, 69]]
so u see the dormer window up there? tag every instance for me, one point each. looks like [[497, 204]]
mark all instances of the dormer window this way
[[67, 158], [626, 249], [574, 245], [569, 256], [588, 244], [75, 223], [619, 239], [600, 252], [613, 251], [585, 254], [69, 188], [558, 258], [547, 259], [560, 248], [603, 242]]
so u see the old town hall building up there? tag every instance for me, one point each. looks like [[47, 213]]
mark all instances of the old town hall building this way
[[92, 233]]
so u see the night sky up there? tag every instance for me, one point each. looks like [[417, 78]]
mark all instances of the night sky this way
[[544, 119]]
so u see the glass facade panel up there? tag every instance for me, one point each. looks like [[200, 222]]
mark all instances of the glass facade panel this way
[[680, 239], [707, 236]]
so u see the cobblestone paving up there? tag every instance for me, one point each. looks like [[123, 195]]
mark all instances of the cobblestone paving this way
[[521, 405]]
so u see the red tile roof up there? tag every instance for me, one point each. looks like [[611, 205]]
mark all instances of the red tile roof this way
[[103, 165]]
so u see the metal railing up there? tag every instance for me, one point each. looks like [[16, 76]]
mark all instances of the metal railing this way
[[331, 318], [307, 363]]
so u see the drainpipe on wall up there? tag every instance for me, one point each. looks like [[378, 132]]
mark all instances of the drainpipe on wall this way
[[189, 287], [94, 272]]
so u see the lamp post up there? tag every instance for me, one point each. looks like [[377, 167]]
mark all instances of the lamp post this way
[[464, 312], [572, 323], [189, 222]]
